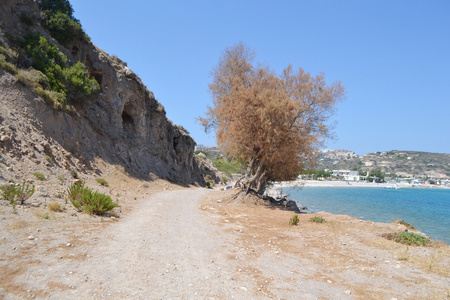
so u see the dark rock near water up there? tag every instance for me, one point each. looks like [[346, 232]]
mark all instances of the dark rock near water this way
[[287, 203]]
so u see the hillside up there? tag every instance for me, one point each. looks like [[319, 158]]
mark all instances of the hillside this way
[[68, 108], [400, 163]]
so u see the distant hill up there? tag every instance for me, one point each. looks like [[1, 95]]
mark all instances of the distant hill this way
[[400, 163]]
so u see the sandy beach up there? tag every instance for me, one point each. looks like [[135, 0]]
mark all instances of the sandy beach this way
[[347, 184]]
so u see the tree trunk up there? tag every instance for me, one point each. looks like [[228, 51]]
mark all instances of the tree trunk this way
[[254, 179]]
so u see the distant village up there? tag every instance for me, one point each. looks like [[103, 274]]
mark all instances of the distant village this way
[[396, 167], [355, 176]]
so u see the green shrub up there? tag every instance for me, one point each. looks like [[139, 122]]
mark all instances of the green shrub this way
[[102, 181], [408, 238], [228, 167], [317, 220], [60, 21], [294, 220], [39, 176], [71, 82], [63, 28], [8, 192], [54, 6], [83, 198], [75, 193], [78, 82], [24, 192], [14, 193]]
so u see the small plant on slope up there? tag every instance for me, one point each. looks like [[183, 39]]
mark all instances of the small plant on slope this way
[[408, 238], [14, 193], [54, 206], [92, 202], [294, 220], [317, 220], [39, 176], [24, 192], [8, 191], [102, 181]]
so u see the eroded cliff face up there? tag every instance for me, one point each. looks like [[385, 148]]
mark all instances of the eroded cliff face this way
[[124, 125]]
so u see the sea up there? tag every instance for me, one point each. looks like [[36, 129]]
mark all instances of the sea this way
[[427, 209]]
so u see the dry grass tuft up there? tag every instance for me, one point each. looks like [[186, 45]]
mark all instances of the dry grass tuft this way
[[54, 206]]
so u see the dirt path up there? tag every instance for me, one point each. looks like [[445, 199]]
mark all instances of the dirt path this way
[[165, 249]]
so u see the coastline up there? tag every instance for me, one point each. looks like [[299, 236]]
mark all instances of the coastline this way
[[411, 195], [350, 184], [332, 259]]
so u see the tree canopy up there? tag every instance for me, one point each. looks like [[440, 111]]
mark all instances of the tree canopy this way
[[57, 6], [274, 123], [376, 173]]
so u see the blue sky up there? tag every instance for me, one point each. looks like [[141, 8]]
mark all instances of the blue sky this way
[[393, 57]]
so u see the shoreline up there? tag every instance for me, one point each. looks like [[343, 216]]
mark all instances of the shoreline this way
[[278, 188], [329, 259], [345, 184]]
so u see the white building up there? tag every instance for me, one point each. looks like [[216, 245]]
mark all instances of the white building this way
[[347, 175]]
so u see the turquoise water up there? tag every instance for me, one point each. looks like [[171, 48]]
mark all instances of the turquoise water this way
[[428, 210]]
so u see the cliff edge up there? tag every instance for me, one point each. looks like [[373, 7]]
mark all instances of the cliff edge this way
[[121, 123]]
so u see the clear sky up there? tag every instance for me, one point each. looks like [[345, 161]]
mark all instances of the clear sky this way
[[393, 57]]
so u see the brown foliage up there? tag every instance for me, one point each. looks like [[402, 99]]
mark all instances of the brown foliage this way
[[272, 122]]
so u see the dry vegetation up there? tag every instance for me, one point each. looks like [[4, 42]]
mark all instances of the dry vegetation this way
[[273, 123]]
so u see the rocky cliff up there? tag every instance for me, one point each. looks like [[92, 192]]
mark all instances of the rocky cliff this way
[[122, 125]]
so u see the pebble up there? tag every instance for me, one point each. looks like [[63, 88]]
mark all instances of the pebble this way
[[243, 288], [69, 245], [5, 138], [31, 237], [348, 292]]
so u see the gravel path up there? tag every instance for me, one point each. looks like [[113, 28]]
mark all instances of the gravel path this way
[[165, 249]]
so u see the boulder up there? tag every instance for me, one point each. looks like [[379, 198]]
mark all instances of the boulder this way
[[287, 203], [295, 206]]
